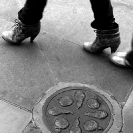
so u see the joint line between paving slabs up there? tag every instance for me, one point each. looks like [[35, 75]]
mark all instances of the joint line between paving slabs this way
[[15, 105], [54, 77], [128, 94]]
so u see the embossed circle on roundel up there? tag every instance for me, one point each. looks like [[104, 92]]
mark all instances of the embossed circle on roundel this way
[[77, 110]]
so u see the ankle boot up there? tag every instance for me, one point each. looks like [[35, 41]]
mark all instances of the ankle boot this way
[[122, 59], [104, 39], [20, 32]]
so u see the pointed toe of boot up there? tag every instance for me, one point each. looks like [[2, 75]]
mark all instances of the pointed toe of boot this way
[[6, 35], [119, 58], [87, 46], [20, 32]]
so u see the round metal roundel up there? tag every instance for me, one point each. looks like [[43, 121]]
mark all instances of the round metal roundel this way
[[77, 110]]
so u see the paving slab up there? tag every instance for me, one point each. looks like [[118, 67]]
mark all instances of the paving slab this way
[[21, 3], [128, 115], [24, 73], [124, 17], [9, 9], [32, 128], [12, 118], [70, 63], [69, 20]]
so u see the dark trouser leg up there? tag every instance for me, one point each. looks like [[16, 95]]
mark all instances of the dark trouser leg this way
[[107, 31], [103, 15], [32, 11]]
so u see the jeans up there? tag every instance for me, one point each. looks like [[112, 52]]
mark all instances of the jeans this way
[[104, 19], [32, 11]]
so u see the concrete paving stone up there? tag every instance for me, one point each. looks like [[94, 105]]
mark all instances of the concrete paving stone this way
[[69, 2], [21, 3], [128, 115], [24, 73], [32, 128], [13, 119], [9, 9], [70, 63], [124, 17], [4, 25], [69, 21]]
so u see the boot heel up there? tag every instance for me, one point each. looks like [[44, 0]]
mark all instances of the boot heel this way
[[33, 37], [114, 48]]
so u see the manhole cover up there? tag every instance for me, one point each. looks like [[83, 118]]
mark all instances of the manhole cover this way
[[77, 110]]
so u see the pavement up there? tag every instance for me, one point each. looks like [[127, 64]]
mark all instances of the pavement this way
[[28, 71]]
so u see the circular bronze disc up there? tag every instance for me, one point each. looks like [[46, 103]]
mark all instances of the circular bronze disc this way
[[77, 110]]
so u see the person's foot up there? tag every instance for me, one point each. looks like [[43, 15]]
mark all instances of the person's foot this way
[[104, 39], [20, 32], [120, 59]]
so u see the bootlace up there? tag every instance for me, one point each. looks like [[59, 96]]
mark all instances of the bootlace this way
[[17, 27], [96, 41]]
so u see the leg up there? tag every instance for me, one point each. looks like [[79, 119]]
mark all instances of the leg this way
[[28, 22], [32, 11], [107, 30], [103, 14], [123, 59]]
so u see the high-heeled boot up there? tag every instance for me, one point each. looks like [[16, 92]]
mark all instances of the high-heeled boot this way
[[20, 32], [123, 59], [104, 39]]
